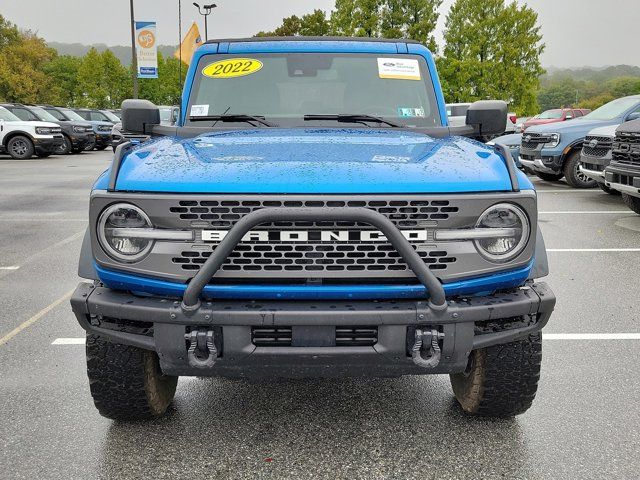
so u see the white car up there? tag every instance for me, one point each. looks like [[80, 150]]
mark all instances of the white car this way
[[22, 139]]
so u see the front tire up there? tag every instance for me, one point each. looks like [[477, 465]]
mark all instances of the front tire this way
[[632, 202], [573, 175], [500, 381], [66, 147], [549, 177], [20, 148], [126, 382]]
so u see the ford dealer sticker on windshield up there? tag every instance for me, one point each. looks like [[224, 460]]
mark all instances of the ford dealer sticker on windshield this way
[[235, 67], [399, 68]]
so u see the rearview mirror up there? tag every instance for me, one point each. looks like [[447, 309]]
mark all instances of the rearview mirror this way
[[488, 117], [139, 116]]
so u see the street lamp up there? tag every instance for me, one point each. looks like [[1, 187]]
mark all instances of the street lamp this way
[[207, 11]]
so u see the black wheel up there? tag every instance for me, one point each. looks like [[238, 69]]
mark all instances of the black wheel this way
[[500, 381], [608, 190], [126, 382], [550, 177], [43, 154], [573, 175], [66, 147], [20, 147], [90, 146], [632, 202]]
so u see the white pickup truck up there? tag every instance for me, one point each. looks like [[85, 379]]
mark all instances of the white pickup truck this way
[[22, 139]]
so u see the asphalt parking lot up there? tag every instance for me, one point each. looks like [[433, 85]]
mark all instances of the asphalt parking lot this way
[[585, 422]]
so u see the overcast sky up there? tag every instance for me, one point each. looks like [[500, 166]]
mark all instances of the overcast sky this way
[[576, 32]]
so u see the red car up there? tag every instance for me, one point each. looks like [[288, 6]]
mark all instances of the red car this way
[[554, 116]]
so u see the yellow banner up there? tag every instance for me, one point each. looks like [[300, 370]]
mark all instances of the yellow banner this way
[[192, 40]]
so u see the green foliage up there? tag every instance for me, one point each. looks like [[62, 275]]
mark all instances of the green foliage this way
[[311, 25], [164, 90], [63, 72], [492, 51], [102, 81]]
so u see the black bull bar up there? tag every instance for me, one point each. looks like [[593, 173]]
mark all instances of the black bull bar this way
[[437, 297]]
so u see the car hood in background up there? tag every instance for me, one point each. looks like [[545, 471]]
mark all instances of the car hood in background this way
[[322, 161], [576, 126]]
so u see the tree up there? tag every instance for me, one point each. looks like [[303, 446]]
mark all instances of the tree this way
[[9, 33], [356, 18], [311, 25], [492, 51], [63, 72], [103, 82], [21, 68], [415, 19], [164, 90]]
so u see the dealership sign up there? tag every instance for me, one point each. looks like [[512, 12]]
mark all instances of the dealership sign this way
[[146, 49]]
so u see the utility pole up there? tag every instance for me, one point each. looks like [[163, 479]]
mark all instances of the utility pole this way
[[205, 14], [134, 59]]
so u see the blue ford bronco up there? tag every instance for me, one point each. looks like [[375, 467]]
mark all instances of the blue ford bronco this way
[[312, 215]]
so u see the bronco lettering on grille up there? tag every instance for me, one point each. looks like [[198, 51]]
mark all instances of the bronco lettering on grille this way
[[335, 236]]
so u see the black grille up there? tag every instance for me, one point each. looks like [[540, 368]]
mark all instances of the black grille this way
[[361, 336], [356, 336], [600, 148], [626, 149], [403, 213], [319, 257], [532, 140], [593, 167], [271, 337]]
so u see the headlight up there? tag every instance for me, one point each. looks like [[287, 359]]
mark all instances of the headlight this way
[[44, 130], [554, 140], [116, 232], [514, 232], [77, 129]]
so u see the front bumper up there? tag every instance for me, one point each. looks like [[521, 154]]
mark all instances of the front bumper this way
[[48, 144], [623, 179], [541, 161], [80, 140], [103, 140], [160, 324], [593, 167]]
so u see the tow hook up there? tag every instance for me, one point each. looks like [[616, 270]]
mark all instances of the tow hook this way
[[429, 338], [202, 352]]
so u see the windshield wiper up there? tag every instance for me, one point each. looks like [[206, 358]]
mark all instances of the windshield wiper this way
[[233, 117], [353, 118]]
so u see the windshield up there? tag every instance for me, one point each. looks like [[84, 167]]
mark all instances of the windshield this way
[[112, 118], [284, 88], [7, 116], [612, 110], [550, 114], [43, 115], [71, 115]]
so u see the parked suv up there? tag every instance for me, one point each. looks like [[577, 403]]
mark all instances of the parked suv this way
[[285, 229], [22, 139], [76, 135], [623, 173], [101, 130], [555, 116], [596, 155], [553, 151]]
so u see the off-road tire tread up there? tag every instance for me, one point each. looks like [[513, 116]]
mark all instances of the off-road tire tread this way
[[503, 380], [126, 382], [632, 202]]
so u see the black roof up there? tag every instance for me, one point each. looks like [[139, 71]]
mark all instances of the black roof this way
[[313, 39]]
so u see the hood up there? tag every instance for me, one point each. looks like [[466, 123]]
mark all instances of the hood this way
[[542, 121], [314, 161], [24, 124], [577, 125], [608, 131]]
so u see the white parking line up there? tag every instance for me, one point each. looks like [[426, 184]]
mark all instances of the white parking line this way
[[545, 336], [568, 190], [12, 267], [592, 250], [590, 212], [591, 336]]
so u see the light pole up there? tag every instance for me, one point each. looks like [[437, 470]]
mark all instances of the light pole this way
[[134, 60], [207, 11]]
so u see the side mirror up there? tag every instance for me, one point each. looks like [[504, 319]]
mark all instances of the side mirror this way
[[139, 116], [633, 116], [488, 117]]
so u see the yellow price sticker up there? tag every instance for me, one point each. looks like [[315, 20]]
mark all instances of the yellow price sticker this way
[[236, 67]]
